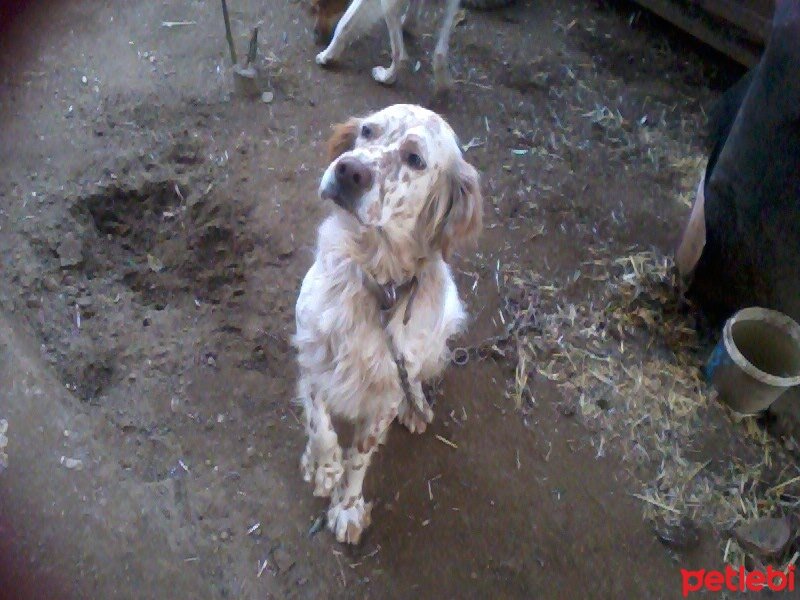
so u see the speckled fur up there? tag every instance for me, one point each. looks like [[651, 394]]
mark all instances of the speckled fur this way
[[406, 224]]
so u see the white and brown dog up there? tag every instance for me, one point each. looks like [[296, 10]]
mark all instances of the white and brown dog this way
[[361, 13], [379, 303]]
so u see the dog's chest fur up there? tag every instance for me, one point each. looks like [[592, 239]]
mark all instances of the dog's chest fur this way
[[342, 337]]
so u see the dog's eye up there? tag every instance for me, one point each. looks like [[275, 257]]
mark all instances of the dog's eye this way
[[415, 161], [366, 132]]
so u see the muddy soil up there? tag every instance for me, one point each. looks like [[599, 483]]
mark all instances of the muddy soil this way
[[154, 229]]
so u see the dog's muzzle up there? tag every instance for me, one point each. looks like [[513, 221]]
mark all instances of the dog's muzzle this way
[[351, 179]]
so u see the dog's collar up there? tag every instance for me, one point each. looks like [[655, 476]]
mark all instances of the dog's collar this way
[[389, 295]]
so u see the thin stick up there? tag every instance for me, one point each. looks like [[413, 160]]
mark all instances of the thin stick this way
[[228, 33], [253, 528], [341, 569], [263, 566], [253, 49], [656, 503], [697, 471], [780, 486], [446, 441]]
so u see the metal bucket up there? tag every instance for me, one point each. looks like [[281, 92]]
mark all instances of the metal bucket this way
[[756, 360]]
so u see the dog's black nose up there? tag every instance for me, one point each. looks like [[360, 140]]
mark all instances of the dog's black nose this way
[[352, 176]]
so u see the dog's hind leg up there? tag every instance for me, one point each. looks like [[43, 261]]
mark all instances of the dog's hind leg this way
[[411, 17], [349, 515], [345, 29], [391, 13], [441, 71], [322, 459]]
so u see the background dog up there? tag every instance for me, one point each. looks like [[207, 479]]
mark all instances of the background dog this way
[[378, 305], [361, 13]]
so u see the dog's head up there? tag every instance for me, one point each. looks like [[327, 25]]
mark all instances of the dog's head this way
[[326, 15], [401, 170]]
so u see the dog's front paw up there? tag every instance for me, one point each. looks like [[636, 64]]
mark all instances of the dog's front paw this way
[[349, 518], [384, 75], [325, 474], [414, 419]]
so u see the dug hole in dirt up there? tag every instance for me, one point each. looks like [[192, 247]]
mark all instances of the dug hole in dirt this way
[[154, 230]]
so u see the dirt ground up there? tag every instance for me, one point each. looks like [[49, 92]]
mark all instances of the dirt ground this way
[[154, 230]]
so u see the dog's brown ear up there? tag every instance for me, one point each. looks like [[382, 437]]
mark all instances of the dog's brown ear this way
[[342, 139], [455, 213]]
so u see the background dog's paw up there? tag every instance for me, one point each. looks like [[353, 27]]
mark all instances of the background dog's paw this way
[[322, 58], [349, 518], [384, 75]]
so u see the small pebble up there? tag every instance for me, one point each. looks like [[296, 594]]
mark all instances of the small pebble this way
[[50, 284], [249, 458], [75, 464], [84, 80], [70, 251], [267, 97]]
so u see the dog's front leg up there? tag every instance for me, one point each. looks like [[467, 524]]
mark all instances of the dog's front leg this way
[[441, 71], [394, 22], [349, 515], [321, 463], [415, 414], [344, 32]]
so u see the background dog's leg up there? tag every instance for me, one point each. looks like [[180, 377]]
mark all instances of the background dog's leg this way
[[411, 17], [344, 32], [349, 515], [441, 72], [391, 13], [322, 459]]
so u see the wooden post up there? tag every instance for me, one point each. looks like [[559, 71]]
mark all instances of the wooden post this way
[[228, 33]]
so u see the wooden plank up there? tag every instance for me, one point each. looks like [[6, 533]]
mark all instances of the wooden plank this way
[[753, 18], [737, 50]]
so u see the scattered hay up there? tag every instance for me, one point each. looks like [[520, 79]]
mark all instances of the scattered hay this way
[[632, 361], [628, 357]]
